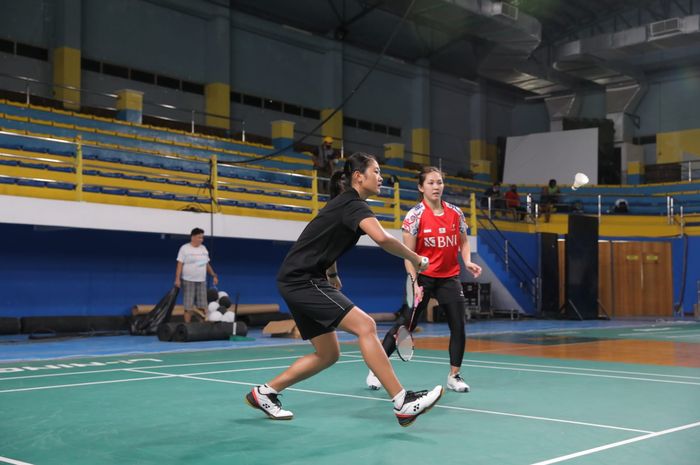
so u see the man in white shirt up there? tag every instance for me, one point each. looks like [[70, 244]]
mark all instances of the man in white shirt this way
[[191, 274]]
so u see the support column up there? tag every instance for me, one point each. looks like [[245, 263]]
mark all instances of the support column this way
[[332, 93], [420, 146], [130, 105], [217, 105], [478, 158], [482, 170], [483, 157], [217, 91], [394, 154], [420, 115], [65, 56], [333, 127], [635, 172], [282, 133]]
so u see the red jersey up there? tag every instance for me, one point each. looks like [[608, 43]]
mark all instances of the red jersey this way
[[512, 199], [437, 237]]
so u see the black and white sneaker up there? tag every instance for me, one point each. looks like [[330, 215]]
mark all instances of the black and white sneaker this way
[[268, 403], [457, 383], [373, 382], [415, 404]]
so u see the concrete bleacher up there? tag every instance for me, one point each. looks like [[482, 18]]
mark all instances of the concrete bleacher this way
[[165, 168]]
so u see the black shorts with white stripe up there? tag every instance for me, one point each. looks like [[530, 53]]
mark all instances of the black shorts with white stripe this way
[[317, 307]]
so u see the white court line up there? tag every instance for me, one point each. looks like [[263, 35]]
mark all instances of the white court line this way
[[13, 461], [239, 370], [697, 333], [59, 386], [220, 362], [352, 354], [617, 444], [556, 372], [335, 394], [564, 367]]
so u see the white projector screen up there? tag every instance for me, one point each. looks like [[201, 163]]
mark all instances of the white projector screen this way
[[537, 158]]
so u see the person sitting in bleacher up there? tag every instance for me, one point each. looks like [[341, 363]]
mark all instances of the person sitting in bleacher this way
[[494, 193], [621, 206], [512, 199], [550, 198]]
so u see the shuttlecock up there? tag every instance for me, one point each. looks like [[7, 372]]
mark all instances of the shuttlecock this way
[[579, 180]]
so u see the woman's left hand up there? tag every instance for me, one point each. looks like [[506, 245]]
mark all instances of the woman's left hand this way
[[474, 269]]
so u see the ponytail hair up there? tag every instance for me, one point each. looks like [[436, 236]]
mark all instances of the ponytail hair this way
[[337, 184], [358, 161], [424, 172]]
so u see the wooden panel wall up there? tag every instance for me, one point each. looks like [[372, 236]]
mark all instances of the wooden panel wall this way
[[634, 278]]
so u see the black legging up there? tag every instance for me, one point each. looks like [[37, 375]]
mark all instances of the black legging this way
[[455, 320]]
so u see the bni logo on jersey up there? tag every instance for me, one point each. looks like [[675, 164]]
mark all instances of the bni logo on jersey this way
[[440, 241]]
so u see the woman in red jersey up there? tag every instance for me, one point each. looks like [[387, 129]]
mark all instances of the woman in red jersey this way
[[437, 229]]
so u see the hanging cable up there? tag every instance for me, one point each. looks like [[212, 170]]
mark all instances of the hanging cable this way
[[342, 104]]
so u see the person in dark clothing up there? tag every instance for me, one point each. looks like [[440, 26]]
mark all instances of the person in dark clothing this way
[[309, 283]]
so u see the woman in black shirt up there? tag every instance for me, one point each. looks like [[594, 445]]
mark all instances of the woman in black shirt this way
[[308, 281]]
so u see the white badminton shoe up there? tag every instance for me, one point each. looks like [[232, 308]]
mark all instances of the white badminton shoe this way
[[373, 382], [456, 383], [268, 403], [415, 404]]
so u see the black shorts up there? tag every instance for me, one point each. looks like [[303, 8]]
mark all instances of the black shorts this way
[[317, 307], [445, 290]]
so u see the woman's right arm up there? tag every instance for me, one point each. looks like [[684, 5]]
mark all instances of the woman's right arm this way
[[389, 243], [410, 242]]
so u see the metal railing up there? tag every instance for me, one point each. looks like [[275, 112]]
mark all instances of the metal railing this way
[[599, 204], [213, 175], [513, 261]]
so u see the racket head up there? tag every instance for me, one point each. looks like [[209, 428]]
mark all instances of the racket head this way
[[410, 292], [404, 343]]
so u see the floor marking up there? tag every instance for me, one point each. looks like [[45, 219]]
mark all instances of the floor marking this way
[[661, 335], [617, 444], [39, 388], [564, 367], [448, 407], [13, 461], [556, 372], [219, 362]]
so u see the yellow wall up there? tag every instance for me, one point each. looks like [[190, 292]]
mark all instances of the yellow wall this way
[[670, 146]]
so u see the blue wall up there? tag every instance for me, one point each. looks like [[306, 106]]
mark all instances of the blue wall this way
[[528, 246], [50, 271]]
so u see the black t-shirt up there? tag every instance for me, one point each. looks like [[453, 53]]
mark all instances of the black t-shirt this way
[[335, 230]]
